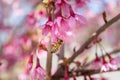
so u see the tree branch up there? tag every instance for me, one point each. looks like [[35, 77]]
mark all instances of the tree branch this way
[[81, 72], [86, 44], [96, 34], [61, 52], [49, 62], [48, 66]]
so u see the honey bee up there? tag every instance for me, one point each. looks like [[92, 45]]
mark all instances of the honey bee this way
[[56, 46]]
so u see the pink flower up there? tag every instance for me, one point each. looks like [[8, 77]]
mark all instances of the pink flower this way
[[58, 28], [62, 27], [30, 63], [30, 19], [62, 23], [107, 66], [62, 7], [47, 28], [112, 60], [39, 14], [55, 32], [51, 28], [97, 63], [76, 19], [25, 42], [38, 72], [11, 47]]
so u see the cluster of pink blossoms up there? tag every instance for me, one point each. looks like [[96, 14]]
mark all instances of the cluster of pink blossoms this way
[[61, 26], [103, 65], [65, 19]]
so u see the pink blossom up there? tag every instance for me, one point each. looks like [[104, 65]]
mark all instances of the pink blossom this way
[[39, 14], [38, 72], [55, 33], [62, 7], [107, 66], [30, 63], [62, 27], [25, 42], [58, 28], [47, 28], [30, 19], [11, 52], [112, 60], [10, 60], [97, 63], [41, 53], [11, 47], [44, 42], [75, 19]]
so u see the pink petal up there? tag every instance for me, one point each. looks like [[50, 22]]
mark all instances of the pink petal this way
[[57, 9], [64, 25], [30, 20], [72, 22], [81, 19], [55, 33], [41, 73], [65, 9], [58, 21], [58, 1], [34, 75], [30, 63], [29, 67], [46, 30]]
